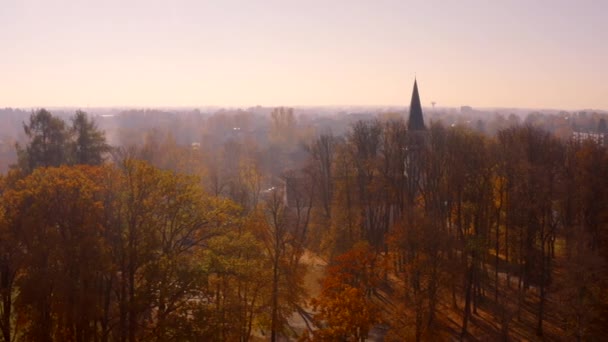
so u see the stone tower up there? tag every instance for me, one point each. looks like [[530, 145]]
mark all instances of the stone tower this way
[[417, 146]]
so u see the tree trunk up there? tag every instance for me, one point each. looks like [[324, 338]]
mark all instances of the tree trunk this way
[[541, 304], [7, 290], [497, 249], [275, 299], [467, 303]]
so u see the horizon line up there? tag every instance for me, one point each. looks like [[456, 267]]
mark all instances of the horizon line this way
[[214, 106]]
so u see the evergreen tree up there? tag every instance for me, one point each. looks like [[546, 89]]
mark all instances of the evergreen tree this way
[[89, 142], [53, 143], [48, 139]]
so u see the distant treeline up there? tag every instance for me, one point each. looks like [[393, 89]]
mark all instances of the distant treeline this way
[[130, 127]]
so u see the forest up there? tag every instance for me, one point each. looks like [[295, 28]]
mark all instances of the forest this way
[[226, 228]]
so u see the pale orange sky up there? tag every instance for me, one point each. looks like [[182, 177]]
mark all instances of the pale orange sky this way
[[533, 54]]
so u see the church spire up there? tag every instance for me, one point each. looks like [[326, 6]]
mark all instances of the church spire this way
[[415, 122]]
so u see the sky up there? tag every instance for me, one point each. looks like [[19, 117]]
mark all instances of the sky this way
[[481, 53]]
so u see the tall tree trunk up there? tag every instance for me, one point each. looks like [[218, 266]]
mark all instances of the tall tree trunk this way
[[6, 289], [467, 303], [543, 271], [131, 284], [497, 248], [507, 245], [275, 300]]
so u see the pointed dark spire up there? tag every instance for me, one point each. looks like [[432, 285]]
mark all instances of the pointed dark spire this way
[[416, 121]]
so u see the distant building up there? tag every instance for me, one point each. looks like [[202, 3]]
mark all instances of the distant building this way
[[297, 192], [598, 138], [466, 110]]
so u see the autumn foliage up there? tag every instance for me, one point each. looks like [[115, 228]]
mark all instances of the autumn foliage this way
[[433, 235], [345, 309]]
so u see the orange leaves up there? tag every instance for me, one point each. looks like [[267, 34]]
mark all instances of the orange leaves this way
[[353, 268], [344, 310], [345, 314]]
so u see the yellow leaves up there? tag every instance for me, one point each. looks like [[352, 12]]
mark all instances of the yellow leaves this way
[[499, 184], [235, 254], [53, 215], [56, 192]]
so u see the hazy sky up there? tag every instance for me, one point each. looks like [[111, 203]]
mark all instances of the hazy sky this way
[[485, 53]]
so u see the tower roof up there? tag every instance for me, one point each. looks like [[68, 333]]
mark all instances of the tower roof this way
[[416, 121]]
